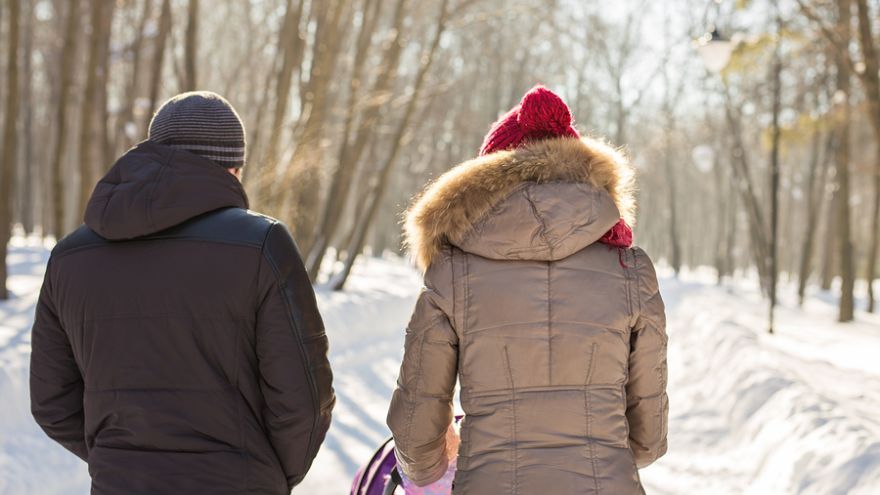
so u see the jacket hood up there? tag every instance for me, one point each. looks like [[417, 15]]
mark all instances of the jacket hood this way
[[155, 187], [543, 201]]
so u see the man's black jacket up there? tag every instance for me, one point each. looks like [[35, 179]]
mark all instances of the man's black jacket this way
[[177, 346]]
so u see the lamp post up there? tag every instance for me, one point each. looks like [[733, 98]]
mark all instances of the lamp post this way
[[716, 51]]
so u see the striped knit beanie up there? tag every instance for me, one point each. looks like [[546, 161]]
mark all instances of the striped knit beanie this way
[[203, 123]]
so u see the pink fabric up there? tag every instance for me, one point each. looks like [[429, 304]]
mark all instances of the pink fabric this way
[[443, 486]]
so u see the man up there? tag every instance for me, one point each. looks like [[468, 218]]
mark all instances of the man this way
[[177, 346]]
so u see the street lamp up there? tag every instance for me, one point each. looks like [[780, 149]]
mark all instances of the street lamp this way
[[715, 50]]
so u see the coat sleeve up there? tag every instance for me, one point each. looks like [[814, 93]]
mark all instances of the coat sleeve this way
[[56, 384], [295, 376], [421, 406], [647, 406]]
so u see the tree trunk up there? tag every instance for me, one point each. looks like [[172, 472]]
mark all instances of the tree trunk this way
[[815, 193], [299, 194], [291, 46], [674, 241], [68, 55], [158, 60], [10, 141], [841, 163], [351, 150], [829, 260], [774, 171], [871, 79], [732, 227], [127, 130], [87, 134], [255, 165], [362, 226], [29, 204], [105, 157], [191, 49], [746, 189], [871, 272]]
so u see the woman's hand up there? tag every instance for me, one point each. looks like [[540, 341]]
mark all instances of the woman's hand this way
[[443, 486], [453, 440]]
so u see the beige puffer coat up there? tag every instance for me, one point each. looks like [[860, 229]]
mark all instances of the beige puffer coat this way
[[558, 341]]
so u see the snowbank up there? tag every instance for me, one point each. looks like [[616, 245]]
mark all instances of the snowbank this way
[[751, 413], [791, 413]]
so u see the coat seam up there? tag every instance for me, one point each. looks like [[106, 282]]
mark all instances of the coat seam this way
[[147, 239], [297, 334], [452, 279], [591, 444], [549, 323], [629, 288], [154, 184], [306, 364], [466, 297], [534, 209], [514, 450], [415, 392], [592, 365], [637, 267]]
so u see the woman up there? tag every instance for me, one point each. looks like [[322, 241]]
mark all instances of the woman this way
[[533, 299]]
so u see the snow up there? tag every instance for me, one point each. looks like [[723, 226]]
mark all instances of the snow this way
[[751, 413]]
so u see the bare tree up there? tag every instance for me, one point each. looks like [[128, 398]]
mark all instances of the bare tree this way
[[353, 146], [10, 141], [776, 133], [106, 138], [815, 193], [870, 77], [747, 190], [127, 127], [291, 46], [158, 59], [841, 163], [191, 48], [298, 193], [381, 182], [88, 112], [671, 97], [30, 167], [68, 54]]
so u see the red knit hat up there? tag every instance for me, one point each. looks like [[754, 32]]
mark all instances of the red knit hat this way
[[541, 115]]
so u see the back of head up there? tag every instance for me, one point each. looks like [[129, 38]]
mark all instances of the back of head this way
[[203, 123]]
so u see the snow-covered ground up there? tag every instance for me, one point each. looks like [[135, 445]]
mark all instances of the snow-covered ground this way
[[796, 412]]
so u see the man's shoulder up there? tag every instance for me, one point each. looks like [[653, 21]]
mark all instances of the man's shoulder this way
[[225, 226], [82, 237], [229, 225]]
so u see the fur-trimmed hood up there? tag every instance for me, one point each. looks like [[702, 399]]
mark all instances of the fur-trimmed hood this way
[[546, 200]]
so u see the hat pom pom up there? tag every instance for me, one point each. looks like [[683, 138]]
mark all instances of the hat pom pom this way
[[543, 112]]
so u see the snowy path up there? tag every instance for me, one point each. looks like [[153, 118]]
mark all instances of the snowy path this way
[[750, 413]]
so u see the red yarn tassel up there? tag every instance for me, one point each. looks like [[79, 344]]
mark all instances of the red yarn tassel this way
[[621, 235]]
